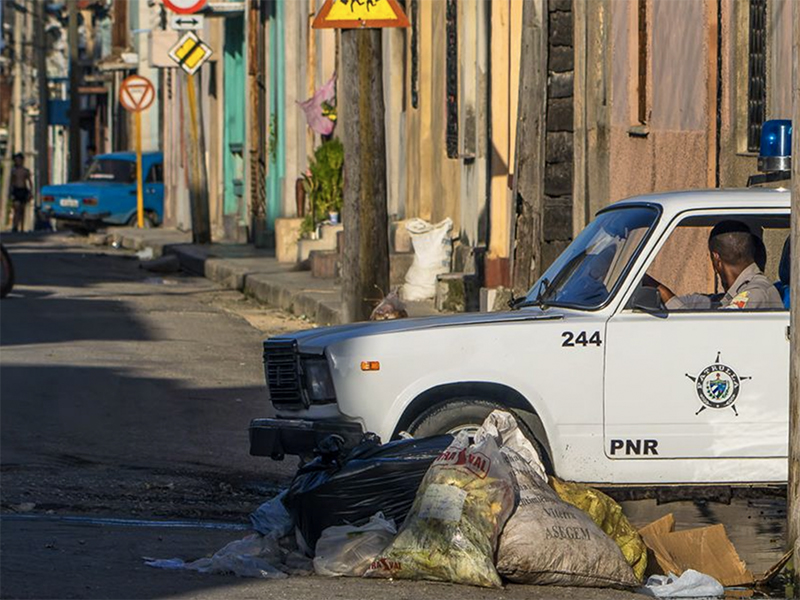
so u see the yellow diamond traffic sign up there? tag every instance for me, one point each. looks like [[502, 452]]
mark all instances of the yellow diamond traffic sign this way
[[190, 53]]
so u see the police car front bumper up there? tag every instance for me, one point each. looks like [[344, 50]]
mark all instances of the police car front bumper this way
[[277, 437]]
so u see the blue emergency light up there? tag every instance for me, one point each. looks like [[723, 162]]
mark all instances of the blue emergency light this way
[[776, 146]]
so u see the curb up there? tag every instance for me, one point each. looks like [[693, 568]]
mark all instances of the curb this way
[[321, 307]]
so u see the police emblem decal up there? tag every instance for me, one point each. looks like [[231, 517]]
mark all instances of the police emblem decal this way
[[717, 386]]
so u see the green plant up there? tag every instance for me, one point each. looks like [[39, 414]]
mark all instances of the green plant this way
[[323, 183], [272, 138]]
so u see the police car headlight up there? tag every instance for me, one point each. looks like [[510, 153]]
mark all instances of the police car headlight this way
[[318, 381]]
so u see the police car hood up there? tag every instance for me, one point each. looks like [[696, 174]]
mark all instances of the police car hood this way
[[314, 341]]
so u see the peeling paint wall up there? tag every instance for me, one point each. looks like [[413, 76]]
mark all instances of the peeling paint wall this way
[[670, 151]]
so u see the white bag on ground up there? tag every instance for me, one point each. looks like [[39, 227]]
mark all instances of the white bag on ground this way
[[546, 540], [433, 250], [347, 550], [252, 556], [689, 585]]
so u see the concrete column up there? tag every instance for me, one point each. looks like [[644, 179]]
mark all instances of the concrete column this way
[[393, 52], [499, 240], [295, 88]]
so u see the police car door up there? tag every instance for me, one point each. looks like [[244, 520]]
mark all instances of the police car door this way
[[698, 384]]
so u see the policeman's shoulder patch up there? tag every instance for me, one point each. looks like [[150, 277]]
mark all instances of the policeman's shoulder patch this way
[[739, 301]]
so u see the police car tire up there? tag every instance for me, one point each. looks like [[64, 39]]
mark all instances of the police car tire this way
[[465, 412]]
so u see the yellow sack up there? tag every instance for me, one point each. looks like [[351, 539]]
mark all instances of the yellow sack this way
[[608, 516]]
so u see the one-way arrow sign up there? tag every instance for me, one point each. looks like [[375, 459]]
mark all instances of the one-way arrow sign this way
[[186, 22]]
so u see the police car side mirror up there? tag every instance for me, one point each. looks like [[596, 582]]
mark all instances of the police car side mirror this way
[[647, 299]]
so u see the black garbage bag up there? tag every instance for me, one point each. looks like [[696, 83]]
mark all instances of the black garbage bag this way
[[334, 490]]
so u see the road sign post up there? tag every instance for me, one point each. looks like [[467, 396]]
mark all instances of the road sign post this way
[[191, 53], [137, 117], [198, 177], [365, 267], [793, 487], [136, 94]]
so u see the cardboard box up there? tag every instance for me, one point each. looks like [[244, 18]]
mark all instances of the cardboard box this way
[[705, 549]]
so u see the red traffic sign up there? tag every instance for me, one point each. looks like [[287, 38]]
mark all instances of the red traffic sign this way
[[136, 93], [185, 7]]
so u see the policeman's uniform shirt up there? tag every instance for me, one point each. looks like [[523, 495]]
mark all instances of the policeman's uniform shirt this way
[[751, 290]]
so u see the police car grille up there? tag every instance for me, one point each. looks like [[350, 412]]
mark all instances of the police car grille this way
[[282, 372]]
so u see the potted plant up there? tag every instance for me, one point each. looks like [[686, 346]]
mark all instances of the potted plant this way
[[323, 184]]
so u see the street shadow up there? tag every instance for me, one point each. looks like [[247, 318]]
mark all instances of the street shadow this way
[[66, 319], [61, 281], [66, 265], [65, 419], [80, 440]]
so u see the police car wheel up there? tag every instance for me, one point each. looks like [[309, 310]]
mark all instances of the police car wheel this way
[[465, 414]]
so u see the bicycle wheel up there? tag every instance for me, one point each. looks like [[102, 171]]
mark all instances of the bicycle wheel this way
[[6, 273]]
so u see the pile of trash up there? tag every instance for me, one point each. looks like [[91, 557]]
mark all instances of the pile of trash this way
[[472, 510]]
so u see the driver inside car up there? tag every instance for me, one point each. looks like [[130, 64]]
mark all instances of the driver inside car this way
[[733, 253]]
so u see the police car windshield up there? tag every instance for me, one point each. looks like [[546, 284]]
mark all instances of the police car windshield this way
[[588, 271], [111, 170]]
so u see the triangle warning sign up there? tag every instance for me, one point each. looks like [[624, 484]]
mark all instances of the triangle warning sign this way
[[136, 92], [360, 14]]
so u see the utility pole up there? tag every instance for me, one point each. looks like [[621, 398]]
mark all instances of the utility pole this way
[[530, 152], [74, 98], [793, 487], [365, 262], [15, 126], [42, 142], [198, 175]]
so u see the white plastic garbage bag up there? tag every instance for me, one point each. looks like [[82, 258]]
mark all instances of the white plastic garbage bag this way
[[347, 550], [433, 250], [272, 518], [252, 556], [689, 585]]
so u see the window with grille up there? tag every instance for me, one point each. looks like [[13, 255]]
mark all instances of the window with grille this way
[[641, 98], [757, 74], [451, 79]]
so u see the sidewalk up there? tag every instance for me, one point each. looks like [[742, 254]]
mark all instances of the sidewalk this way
[[252, 271]]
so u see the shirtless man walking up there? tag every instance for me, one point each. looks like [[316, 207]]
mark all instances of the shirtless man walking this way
[[20, 187]]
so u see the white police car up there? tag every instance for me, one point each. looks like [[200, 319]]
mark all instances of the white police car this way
[[613, 387]]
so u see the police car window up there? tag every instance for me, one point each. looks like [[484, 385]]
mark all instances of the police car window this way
[[111, 170], [589, 270], [683, 264]]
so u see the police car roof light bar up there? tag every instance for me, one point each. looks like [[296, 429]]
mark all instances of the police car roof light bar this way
[[776, 146]]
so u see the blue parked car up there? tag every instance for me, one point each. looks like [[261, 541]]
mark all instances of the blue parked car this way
[[107, 193]]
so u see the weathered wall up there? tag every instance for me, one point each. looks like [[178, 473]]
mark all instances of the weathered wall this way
[[671, 149], [474, 144], [779, 69], [432, 191], [559, 148]]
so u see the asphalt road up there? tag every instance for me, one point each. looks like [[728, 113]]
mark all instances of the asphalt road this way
[[126, 395]]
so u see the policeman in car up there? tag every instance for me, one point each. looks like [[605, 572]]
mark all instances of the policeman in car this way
[[733, 255]]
